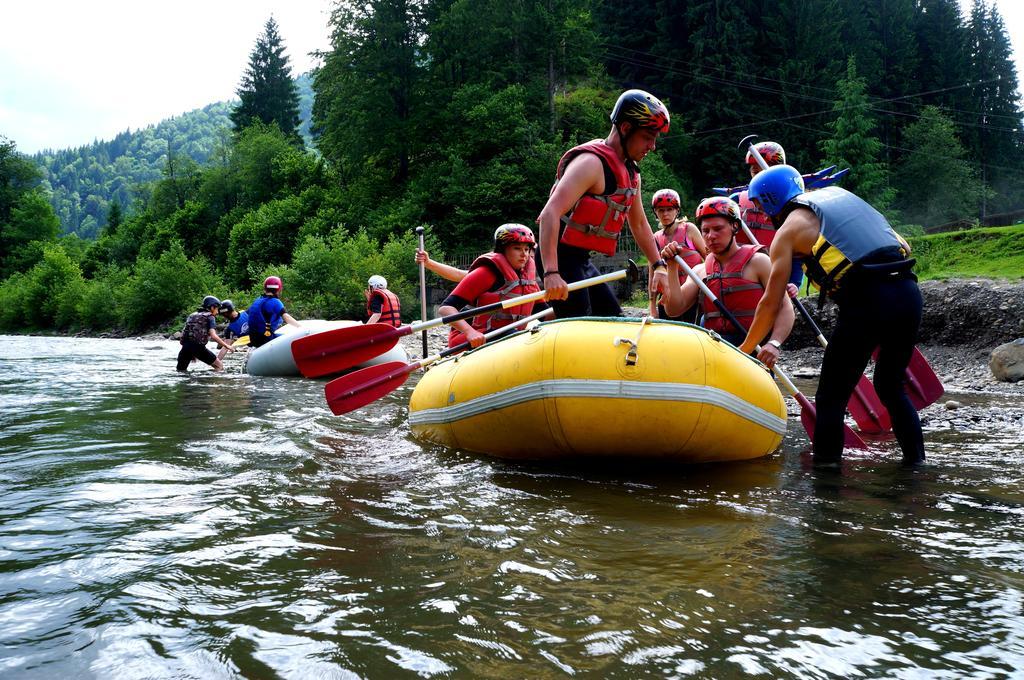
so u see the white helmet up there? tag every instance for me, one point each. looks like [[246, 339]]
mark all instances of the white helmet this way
[[378, 281]]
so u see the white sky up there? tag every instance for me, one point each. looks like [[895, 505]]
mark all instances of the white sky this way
[[72, 71]]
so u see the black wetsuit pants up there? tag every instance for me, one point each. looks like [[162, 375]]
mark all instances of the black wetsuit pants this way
[[883, 313], [574, 265]]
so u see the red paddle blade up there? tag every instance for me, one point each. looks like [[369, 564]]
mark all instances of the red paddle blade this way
[[923, 386], [366, 385], [808, 416], [342, 348], [867, 409]]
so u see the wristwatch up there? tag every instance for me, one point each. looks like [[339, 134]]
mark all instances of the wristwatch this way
[[776, 343]]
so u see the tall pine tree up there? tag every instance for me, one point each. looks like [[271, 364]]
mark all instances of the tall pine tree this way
[[936, 184], [852, 143], [267, 92]]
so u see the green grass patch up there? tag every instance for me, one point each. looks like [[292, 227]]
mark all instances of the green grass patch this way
[[992, 252]]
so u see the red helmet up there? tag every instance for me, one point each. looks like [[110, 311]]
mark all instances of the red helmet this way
[[665, 198], [717, 206], [771, 152], [642, 109], [272, 283], [507, 234]]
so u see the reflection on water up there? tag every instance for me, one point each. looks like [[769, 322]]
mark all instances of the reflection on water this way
[[155, 525]]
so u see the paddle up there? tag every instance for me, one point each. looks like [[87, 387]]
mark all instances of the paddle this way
[[807, 411], [241, 341], [359, 388], [923, 387], [423, 291], [864, 405], [336, 350]]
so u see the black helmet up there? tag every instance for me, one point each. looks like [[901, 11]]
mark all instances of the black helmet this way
[[227, 306], [642, 109], [209, 302]]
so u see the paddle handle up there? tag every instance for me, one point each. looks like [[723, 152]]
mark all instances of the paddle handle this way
[[810, 321], [732, 319], [512, 302], [490, 335], [423, 291], [761, 162]]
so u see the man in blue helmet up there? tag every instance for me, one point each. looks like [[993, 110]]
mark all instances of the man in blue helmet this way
[[852, 255]]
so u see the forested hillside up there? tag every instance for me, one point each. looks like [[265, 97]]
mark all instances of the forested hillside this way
[[454, 114], [83, 182]]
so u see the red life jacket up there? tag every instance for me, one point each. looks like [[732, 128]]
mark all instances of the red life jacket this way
[[595, 222], [515, 284], [390, 307], [758, 221], [739, 295], [689, 255]]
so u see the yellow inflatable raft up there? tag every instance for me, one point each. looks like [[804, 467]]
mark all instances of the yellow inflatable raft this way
[[603, 387]]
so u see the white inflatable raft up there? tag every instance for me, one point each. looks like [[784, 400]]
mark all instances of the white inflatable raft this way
[[275, 357]]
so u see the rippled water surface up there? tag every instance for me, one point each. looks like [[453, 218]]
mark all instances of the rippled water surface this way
[[209, 526]]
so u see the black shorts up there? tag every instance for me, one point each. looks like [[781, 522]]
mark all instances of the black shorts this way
[[193, 350]]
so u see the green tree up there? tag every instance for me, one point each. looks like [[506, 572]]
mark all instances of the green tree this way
[[32, 224], [852, 143], [936, 182], [267, 93], [114, 217]]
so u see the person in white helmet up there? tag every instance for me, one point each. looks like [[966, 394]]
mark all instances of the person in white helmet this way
[[382, 306]]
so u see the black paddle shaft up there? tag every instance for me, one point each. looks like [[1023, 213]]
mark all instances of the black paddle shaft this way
[[806, 315]]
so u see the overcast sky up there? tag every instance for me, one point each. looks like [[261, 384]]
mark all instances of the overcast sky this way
[[75, 71]]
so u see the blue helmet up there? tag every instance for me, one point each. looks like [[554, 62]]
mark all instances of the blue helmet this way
[[775, 187]]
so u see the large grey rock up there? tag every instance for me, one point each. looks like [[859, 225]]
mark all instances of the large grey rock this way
[[1007, 361]]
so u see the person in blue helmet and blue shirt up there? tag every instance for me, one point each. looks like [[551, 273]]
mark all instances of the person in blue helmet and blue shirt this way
[[238, 323], [267, 314], [853, 255]]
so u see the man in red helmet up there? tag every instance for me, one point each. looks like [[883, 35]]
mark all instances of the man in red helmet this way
[[507, 272], [267, 314], [759, 222], [736, 274], [596, 191]]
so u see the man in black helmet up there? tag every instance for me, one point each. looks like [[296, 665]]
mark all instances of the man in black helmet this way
[[200, 328], [596, 192]]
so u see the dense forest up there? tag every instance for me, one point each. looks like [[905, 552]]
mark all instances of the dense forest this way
[[453, 114]]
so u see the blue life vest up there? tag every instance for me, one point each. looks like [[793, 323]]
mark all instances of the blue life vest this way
[[855, 239], [264, 317], [240, 326]]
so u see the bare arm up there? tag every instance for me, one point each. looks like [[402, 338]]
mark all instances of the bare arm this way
[[584, 174], [644, 236], [796, 236], [445, 271], [473, 336], [288, 319], [217, 339], [374, 318], [678, 296]]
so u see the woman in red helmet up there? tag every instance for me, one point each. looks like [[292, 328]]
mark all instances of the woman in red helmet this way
[[267, 314], [676, 228], [506, 273]]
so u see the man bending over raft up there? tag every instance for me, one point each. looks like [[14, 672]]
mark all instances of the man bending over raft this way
[[853, 255]]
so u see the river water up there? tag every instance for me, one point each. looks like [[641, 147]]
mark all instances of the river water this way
[[217, 526]]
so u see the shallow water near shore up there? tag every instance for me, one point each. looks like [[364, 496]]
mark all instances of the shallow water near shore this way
[[221, 525]]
